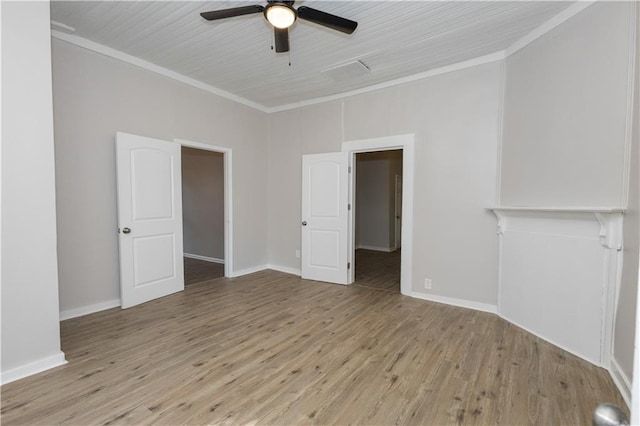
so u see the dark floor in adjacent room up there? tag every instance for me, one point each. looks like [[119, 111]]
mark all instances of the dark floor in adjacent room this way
[[378, 269], [197, 271]]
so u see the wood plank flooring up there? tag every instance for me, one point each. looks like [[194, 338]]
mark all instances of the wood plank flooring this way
[[197, 271], [270, 348]]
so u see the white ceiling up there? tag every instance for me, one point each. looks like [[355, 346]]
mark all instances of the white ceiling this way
[[394, 39]]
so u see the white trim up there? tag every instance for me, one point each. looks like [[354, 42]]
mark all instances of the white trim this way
[[493, 57], [558, 209], [140, 63], [563, 16], [621, 381], [502, 91], [228, 198], [406, 143], [285, 269], [374, 248], [552, 23], [631, 72], [461, 303], [59, 26], [133, 60], [89, 309], [205, 258], [32, 368], [635, 382], [247, 271]]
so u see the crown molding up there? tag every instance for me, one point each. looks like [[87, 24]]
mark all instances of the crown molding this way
[[552, 23], [140, 63], [557, 20], [493, 57]]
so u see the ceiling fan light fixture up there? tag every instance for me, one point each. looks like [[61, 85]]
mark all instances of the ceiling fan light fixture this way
[[280, 15]]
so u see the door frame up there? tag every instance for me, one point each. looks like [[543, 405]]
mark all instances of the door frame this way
[[404, 142], [228, 198]]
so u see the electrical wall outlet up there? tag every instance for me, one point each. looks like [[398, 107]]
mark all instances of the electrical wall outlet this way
[[298, 254], [427, 283]]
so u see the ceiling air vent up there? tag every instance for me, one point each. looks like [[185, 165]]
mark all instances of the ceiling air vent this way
[[348, 71]]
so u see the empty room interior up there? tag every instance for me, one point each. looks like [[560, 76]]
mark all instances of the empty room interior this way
[[320, 212]]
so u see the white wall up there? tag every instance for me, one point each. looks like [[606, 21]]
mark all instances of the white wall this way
[[565, 144], [565, 112], [625, 320], [375, 199], [203, 202], [454, 118], [30, 327], [95, 96]]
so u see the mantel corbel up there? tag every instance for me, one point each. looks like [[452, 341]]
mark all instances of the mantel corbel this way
[[610, 229]]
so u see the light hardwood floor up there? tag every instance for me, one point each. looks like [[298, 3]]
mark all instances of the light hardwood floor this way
[[270, 348]]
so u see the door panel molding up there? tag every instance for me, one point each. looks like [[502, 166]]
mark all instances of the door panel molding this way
[[325, 217], [149, 185]]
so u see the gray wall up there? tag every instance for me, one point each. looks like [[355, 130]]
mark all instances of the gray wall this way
[[375, 198], [565, 112], [565, 133], [454, 118], [96, 96], [30, 327], [563, 144], [203, 202]]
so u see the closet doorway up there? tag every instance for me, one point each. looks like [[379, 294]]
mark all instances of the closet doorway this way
[[205, 209], [378, 206]]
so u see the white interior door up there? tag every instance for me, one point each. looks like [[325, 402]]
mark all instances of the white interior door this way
[[325, 217], [398, 212], [149, 218]]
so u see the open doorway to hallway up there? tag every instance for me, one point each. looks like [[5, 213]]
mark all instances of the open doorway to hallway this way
[[203, 214], [378, 219]]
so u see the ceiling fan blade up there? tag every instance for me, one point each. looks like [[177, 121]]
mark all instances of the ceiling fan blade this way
[[229, 13], [282, 39], [327, 20]]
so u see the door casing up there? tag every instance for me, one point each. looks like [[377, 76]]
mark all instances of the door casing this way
[[404, 142], [228, 198]]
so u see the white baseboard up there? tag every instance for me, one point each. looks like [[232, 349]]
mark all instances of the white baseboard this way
[[32, 368], [469, 304], [248, 271], [621, 381], [374, 248], [286, 269], [205, 258], [90, 309]]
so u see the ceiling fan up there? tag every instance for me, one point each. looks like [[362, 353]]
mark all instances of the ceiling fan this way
[[281, 15]]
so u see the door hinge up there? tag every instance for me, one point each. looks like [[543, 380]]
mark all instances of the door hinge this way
[[349, 169], [348, 265], [349, 206]]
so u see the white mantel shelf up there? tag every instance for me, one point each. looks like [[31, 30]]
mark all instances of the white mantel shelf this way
[[548, 254], [610, 219], [555, 209]]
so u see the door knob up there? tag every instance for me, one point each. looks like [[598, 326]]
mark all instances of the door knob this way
[[304, 223], [609, 415], [126, 230]]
